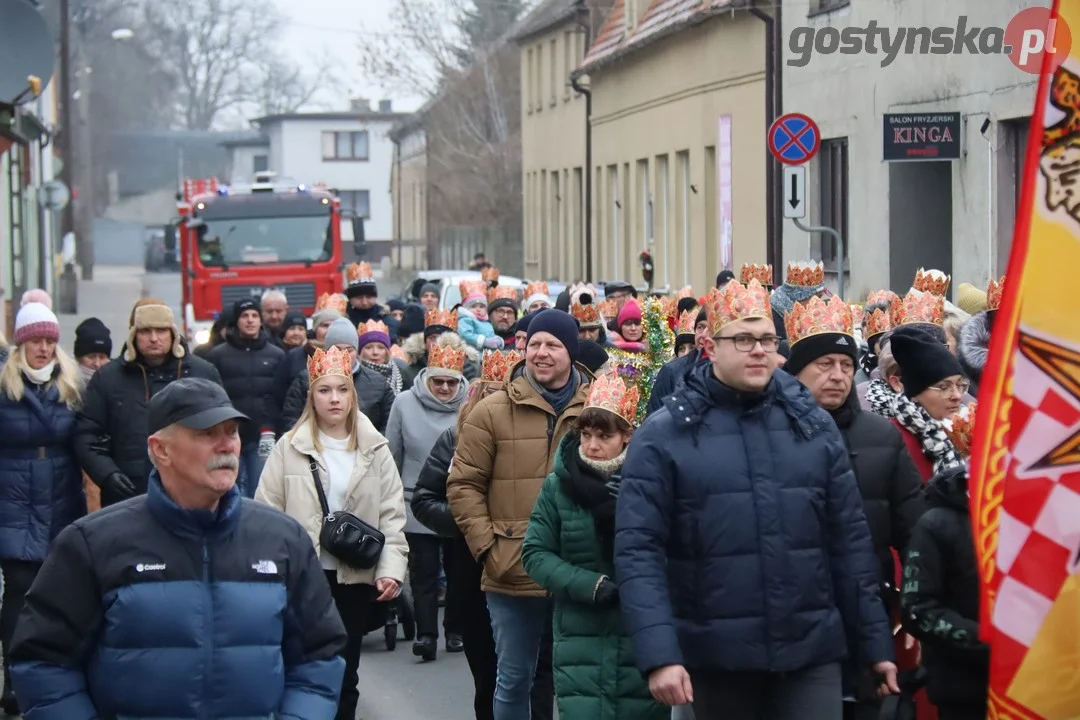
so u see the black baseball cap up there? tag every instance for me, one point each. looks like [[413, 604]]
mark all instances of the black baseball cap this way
[[194, 403]]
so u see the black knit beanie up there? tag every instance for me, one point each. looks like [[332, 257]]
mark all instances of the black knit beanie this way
[[563, 326], [292, 318], [412, 321], [592, 355], [92, 337], [923, 360], [501, 303], [810, 349]]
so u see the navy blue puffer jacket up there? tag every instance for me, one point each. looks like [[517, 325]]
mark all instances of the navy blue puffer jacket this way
[[740, 541], [41, 488]]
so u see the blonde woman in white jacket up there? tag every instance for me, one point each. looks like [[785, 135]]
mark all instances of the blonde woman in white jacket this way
[[359, 476]]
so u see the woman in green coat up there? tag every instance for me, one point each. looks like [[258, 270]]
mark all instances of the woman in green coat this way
[[568, 550]]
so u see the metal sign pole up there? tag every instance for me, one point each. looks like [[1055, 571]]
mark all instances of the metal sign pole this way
[[839, 250]]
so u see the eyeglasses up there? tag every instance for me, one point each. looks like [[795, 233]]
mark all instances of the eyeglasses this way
[[445, 382], [746, 343], [946, 387]]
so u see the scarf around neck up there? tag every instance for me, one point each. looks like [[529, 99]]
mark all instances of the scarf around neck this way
[[390, 371], [913, 417], [594, 487], [558, 399]]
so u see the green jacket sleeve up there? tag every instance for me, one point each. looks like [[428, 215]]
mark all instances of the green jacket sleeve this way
[[540, 554]]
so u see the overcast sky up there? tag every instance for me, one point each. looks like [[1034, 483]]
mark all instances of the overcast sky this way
[[335, 28]]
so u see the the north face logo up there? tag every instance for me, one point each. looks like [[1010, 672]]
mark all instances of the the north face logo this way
[[265, 567], [841, 341]]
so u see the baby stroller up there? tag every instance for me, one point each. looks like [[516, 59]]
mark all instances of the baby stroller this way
[[388, 616]]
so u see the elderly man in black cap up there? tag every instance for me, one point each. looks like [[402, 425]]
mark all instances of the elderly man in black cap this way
[[504, 452], [824, 356], [189, 601]]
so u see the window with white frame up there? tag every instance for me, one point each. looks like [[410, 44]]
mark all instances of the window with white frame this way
[[345, 145], [357, 201]]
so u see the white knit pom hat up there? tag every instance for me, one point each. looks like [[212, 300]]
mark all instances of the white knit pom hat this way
[[36, 321]]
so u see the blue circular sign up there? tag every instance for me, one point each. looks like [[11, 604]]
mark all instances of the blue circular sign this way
[[794, 139]]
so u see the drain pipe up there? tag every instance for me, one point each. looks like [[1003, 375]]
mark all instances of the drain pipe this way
[[774, 198], [579, 88]]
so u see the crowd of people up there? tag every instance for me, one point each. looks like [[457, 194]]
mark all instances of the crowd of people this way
[[773, 527]]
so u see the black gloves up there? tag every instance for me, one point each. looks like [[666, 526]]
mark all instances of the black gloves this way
[[119, 485], [606, 593]]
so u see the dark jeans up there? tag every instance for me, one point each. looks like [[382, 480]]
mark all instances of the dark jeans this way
[[353, 604], [811, 694], [18, 577], [425, 555], [953, 712], [463, 592]]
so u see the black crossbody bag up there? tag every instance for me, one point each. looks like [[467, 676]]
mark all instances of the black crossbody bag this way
[[345, 536]]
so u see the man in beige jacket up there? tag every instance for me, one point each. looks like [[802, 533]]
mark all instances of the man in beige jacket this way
[[503, 454]]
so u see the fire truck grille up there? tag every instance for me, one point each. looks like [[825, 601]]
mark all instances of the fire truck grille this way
[[300, 295]]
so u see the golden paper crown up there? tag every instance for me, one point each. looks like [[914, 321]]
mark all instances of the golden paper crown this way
[[918, 308], [472, 287], [502, 292], [609, 309], [438, 316], [960, 428], [536, 288], [934, 282], [359, 272], [816, 317], [687, 322], [669, 306], [495, 365], [586, 314], [805, 274], [994, 293], [397, 352], [686, 292], [489, 274], [877, 322], [882, 296], [332, 301], [752, 271], [372, 326], [334, 361], [446, 357], [609, 392], [736, 302]]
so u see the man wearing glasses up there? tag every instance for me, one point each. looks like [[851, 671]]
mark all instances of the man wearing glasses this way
[[742, 553]]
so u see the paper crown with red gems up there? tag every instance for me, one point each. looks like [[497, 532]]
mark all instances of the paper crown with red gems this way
[[736, 302], [496, 365], [334, 361], [609, 392]]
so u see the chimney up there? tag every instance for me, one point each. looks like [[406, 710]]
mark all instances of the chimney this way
[[386, 106], [360, 105]]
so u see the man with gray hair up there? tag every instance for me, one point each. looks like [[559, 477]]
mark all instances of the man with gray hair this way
[[189, 601], [274, 306]]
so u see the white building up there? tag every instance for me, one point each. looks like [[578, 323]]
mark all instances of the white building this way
[[956, 215], [348, 151]]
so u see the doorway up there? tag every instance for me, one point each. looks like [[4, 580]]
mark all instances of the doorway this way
[[920, 220]]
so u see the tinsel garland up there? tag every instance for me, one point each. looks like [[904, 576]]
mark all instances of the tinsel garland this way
[[641, 369]]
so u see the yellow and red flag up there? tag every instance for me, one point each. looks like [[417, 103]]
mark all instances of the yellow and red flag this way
[[1025, 473]]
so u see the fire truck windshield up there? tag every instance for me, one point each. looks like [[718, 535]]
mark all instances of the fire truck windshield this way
[[241, 241]]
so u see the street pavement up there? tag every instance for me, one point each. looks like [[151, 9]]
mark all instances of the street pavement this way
[[393, 685]]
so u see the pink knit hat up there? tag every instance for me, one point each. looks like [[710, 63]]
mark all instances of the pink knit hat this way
[[36, 321]]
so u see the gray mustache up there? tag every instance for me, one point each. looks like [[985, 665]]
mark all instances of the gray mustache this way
[[223, 461]]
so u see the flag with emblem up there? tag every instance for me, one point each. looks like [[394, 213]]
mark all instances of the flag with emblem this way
[[1025, 464]]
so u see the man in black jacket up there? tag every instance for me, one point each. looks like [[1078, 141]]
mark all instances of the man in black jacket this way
[[110, 440], [373, 392], [247, 362], [187, 602], [824, 357]]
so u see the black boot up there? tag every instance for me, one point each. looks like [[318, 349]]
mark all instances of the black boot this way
[[425, 647], [454, 643]]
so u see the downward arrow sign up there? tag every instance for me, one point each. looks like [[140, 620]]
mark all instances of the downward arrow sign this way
[[794, 201]]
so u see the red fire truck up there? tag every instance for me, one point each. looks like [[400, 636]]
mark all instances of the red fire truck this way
[[238, 241]]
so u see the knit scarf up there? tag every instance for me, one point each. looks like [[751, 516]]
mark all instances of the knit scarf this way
[[390, 371], [593, 485], [913, 417]]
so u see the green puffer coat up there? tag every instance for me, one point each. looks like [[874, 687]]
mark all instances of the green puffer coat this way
[[593, 662]]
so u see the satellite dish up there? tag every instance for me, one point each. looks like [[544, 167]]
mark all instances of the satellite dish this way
[[27, 48], [54, 195]]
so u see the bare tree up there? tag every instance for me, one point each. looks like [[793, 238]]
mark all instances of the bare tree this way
[[213, 49], [284, 87]]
